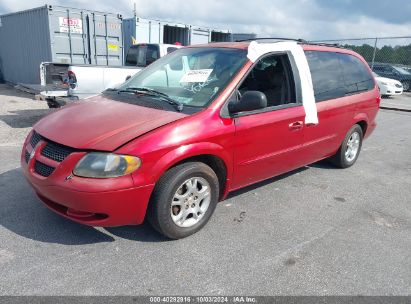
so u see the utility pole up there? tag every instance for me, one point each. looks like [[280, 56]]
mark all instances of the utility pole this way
[[135, 10], [373, 55]]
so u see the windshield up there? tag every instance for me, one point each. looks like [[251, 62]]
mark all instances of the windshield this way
[[190, 76], [401, 70]]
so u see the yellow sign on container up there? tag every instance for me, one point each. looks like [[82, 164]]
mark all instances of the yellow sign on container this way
[[112, 47]]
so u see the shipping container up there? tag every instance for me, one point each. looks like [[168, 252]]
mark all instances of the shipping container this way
[[243, 36], [175, 33], [60, 35], [199, 35], [220, 36], [141, 30]]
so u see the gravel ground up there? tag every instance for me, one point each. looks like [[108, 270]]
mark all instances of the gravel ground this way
[[18, 112], [315, 231]]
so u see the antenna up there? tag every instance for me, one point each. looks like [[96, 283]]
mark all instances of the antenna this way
[[135, 10]]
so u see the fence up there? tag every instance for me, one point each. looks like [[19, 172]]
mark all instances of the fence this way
[[391, 50]]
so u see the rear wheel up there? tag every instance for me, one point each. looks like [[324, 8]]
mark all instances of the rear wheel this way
[[350, 149], [183, 200]]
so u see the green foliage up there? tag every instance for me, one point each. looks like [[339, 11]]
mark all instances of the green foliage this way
[[386, 54]]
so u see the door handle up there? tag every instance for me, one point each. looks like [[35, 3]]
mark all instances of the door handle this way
[[296, 126]]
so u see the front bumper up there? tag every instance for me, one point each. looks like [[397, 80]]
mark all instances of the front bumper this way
[[390, 90], [94, 202]]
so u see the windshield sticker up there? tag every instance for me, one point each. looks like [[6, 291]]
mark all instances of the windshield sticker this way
[[197, 87], [196, 76]]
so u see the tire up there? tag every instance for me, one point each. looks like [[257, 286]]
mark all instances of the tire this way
[[341, 159], [174, 187], [405, 85], [52, 104]]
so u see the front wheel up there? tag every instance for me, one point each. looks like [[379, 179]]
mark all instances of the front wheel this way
[[350, 149], [183, 200]]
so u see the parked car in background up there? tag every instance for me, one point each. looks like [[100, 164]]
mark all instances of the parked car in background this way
[[407, 68], [193, 126], [388, 86], [394, 72], [87, 80]]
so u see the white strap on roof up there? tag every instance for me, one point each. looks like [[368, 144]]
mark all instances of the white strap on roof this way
[[256, 50]]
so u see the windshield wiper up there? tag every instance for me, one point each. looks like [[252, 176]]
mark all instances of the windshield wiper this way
[[151, 92]]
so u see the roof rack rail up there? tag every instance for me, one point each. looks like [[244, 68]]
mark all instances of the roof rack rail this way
[[299, 40], [337, 45], [272, 38]]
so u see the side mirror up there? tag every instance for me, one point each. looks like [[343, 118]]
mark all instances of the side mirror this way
[[250, 101], [128, 77]]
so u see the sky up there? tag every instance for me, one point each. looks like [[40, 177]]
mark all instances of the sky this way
[[307, 19]]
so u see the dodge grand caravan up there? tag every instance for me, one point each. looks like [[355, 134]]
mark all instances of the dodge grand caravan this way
[[196, 124]]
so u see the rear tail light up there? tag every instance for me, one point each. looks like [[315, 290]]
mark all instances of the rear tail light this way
[[72, 80]]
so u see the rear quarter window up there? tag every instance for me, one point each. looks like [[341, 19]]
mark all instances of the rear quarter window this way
[[335, 75], [357, 77]]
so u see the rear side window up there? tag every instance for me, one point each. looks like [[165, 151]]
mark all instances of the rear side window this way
[[326, 73], [334, 75], [142, 55], [357, 76]]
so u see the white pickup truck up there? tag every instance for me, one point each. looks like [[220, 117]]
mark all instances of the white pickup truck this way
[[88, 80]]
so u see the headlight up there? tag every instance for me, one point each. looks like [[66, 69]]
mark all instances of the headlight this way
[[105, 165]]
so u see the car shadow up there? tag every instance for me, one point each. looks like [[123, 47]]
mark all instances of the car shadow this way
[[265, 182], [140, 233], [324, 164], [24, 214], [24, 118]]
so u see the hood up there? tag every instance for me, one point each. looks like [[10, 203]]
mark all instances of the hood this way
[[387, 80], [101, 123]]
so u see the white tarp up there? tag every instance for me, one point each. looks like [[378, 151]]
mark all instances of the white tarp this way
[[256, 50]]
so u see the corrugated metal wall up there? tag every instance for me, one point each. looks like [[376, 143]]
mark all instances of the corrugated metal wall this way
[[57, 34], [129, 33], [243, 36], [24, 44], [156, 31], [220, 36]]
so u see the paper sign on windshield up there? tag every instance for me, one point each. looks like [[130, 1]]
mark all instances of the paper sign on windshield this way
[[196, 75]]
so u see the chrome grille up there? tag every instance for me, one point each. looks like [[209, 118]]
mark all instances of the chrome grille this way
[[35, 138], [43, 169], [56, 152]]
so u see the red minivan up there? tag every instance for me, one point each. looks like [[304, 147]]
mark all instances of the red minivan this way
[[198, 123]]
